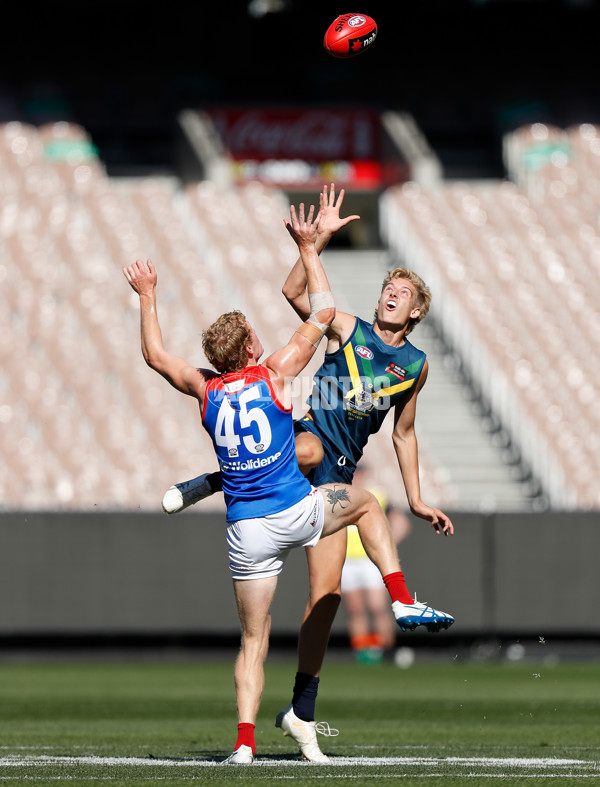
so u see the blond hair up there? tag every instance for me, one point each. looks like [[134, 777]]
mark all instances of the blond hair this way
[[422, 299], [225, 342]]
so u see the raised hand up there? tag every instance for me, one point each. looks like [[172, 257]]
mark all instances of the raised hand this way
[[330, 213], [439, 521], [141, 278], [303, 230]]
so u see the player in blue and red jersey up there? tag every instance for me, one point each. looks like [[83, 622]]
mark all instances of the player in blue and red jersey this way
[[271, 506]]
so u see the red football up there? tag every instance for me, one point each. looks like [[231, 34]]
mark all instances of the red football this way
[[349, 35]]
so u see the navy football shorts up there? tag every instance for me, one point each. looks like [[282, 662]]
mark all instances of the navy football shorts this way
[[335, 467]]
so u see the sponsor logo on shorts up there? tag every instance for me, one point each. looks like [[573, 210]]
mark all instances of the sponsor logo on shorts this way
[[364, 352], [314, 515]]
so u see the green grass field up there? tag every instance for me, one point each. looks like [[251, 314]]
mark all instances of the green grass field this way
[[436, 723]]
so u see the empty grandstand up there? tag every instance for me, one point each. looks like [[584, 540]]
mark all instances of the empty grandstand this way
[[84, 424], [517, 262]]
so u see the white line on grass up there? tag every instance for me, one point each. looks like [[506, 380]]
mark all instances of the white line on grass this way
[[523, 763]]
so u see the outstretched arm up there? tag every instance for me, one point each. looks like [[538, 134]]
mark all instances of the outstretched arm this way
[[295, 286], [287, 362], [186, 378], [405, 445]]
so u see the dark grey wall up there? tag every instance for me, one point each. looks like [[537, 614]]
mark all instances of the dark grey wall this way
[[151, 574]]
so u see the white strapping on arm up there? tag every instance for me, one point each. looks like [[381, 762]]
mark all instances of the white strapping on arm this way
[[312, 329], [319, 301]]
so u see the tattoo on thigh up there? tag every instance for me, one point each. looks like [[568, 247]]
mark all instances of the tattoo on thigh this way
[[337, 496]]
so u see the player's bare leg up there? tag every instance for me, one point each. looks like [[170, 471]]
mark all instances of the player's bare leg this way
[[345, 505], [325, 562], [253, 598], [324, 571]]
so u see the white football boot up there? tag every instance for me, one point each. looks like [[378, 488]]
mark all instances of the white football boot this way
[[305, 733], [409, 616], [241, 756]]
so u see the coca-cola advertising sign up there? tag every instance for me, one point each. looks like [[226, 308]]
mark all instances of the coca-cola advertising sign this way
[[310, 134], [303, 148]]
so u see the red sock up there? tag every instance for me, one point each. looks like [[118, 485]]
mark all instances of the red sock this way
[[246, 736], [397, 588], [360, 641], [376, 641]]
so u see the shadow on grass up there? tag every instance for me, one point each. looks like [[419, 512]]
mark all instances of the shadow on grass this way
[[207, 755]]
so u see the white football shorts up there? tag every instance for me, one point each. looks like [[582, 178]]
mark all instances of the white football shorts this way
[[259, 547], [359, 573]]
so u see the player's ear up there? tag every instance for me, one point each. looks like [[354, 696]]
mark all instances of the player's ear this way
[[415, 313]]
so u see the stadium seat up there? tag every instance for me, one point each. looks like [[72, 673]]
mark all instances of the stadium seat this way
[[517, 266]]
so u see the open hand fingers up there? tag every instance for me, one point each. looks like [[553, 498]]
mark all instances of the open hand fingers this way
[[132, 271], [332, 195], [323, 198], [301, 223], [448, 528], [443, 524], [138, 271]]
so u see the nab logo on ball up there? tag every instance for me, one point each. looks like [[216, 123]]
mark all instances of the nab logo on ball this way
[[349, 35]]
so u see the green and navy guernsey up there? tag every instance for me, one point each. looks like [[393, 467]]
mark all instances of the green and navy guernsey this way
[[354, 389]]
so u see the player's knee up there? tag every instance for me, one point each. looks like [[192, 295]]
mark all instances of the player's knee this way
[[324, 603], [309, 453], [364, 507], [325, 591], [371, 504]]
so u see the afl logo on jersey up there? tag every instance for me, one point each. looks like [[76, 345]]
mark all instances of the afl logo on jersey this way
[[364, 352]]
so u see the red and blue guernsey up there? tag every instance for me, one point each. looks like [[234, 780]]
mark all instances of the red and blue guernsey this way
[[253, 437]]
